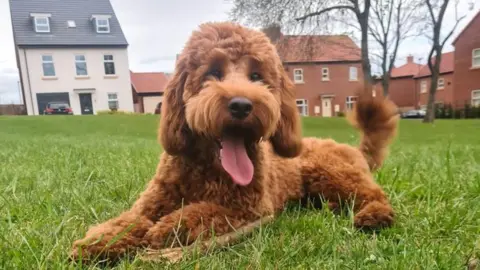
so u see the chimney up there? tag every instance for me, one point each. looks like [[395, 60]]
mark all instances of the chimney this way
[[409, 59], [274, 32]]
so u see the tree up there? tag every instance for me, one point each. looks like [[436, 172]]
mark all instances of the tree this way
[[436, 10], [310, 14], [392, 21]]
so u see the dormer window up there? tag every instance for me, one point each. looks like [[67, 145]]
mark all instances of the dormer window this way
[[41, 22], [102, 23]]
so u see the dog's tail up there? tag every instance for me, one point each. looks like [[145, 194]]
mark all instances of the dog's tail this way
[[377, 119]]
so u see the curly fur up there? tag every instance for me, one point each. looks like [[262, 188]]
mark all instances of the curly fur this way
[[191, 196]]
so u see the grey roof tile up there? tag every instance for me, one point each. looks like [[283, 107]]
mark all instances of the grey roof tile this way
[[62, 11]]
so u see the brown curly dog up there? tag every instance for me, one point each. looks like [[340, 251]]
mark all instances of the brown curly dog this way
[[233, 151]]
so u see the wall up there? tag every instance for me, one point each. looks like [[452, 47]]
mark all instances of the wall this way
[[150, 103], [313, 87], [401, 91], [466, 78], [442, 95], [66, 80]]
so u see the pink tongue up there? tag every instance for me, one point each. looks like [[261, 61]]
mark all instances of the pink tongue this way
[[236, 161]]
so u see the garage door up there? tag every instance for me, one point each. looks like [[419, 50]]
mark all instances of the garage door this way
[[44, 98]]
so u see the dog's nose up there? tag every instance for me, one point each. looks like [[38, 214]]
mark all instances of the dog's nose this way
[[240, 107]]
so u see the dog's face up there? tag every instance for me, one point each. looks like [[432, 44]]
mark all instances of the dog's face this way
[[230, 87]]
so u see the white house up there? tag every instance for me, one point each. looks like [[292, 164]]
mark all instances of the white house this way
[[71, 51]]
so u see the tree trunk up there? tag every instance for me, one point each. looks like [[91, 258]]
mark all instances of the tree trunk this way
[[434, 70], [366, 68], [386, 84]]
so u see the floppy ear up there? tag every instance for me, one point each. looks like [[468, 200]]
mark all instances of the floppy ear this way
[[287, 140], [174, 134]]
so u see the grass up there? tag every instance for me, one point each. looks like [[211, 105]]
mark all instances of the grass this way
[[58, 175]]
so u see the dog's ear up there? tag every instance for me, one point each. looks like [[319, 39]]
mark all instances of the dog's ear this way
[[174, 134], [287, 140]]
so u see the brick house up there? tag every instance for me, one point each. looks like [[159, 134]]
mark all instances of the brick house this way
[[467, 64], [444, 94], [402, 88], [326, 70], [147, 89]]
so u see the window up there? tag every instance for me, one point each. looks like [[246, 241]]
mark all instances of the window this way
[[476, 98], [353, 74], [112, 101], [108, 64], [42, 24], [476, 58], [71, 24], [48, 67], [350, 101], [102, 25], [423, 87], [298, 75], [441, 83], [81, 65], [302, 106], [325, 74]]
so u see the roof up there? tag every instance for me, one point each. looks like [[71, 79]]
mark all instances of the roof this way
[[409, 69], [149, 82], [61, 11], [334, 48], [477, 16], [446, 65]]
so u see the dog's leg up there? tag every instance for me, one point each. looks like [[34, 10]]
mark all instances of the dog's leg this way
[[342, 185], [124, 234], [194, 222]]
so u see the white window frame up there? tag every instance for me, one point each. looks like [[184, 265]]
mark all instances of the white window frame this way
[[298, 78], [476, 58], [441, 85], [112, 100], [81, 61], [44, 17], [351, 78], [423, 86], [105, 61], [303, 105], [48, 62], [350, 101], [474, 98], [325, 74], [97, 18]]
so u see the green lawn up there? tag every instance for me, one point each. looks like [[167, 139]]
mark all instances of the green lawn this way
[[58, 175]]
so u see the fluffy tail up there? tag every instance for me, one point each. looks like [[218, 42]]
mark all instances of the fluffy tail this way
[[377, 120]]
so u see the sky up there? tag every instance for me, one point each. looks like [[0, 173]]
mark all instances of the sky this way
[[157, 30]]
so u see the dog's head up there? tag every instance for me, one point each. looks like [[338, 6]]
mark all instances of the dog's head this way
[[229, 86]]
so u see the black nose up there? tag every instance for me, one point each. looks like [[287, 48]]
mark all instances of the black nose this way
[[240, 107]]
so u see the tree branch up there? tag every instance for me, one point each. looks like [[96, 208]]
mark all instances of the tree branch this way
[[318, 13]]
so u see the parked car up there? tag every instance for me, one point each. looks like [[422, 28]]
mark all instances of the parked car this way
[[414, 114], [58, 107]]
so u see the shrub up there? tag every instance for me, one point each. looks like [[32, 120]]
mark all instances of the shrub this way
[[105, 112], [340, 114]]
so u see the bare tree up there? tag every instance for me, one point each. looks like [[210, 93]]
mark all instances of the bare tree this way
[[436, 10], [392, 21], [310, 15]]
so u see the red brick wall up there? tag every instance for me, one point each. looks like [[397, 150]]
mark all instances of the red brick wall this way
[[339, 84], [401, 91], [444, 96], [466, 78]]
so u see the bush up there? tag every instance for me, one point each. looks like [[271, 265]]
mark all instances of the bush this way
[[340, 114], [105, 112]]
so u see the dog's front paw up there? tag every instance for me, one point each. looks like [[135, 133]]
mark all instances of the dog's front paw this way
[[374, 216]]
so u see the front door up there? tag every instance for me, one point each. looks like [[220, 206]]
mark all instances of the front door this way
[[326, 107], [86, 103]]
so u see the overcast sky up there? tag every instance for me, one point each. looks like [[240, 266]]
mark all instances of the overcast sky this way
[[157, 30]]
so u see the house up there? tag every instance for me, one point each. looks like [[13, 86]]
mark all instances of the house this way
[[326, 70], [402, 86], [148, 88], [72, 51], [444, 94], [467, 64]]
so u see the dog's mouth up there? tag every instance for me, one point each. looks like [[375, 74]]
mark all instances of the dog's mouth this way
[[234, 156]]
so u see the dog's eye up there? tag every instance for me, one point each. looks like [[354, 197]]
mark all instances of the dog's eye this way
[[255, 76], [215, 73]]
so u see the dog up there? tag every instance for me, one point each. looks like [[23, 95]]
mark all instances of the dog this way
[[234, 152]]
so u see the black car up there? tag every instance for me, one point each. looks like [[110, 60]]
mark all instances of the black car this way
[[58, 107]]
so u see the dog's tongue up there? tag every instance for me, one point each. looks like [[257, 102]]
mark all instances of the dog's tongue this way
[[236, 161]]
